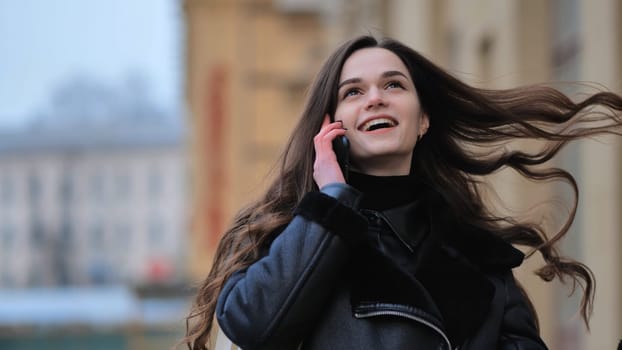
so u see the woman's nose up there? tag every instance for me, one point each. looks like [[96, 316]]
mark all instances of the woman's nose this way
[[375, 99]]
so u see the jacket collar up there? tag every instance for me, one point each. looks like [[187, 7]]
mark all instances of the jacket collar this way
[[413, 222], [452, 261]]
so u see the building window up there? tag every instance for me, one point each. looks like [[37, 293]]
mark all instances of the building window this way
[[97, 237], [7, 189], [155, 183], [66, 232], [97, 187], [8, 237], [7, 248], [37, 236], [566, 39], [123, 236], [156, 232], [122, 185], [66, 188], [485, 52], [34, 188]]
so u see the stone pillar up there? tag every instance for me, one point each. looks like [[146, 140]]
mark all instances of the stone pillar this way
[[410, 21], [600, 184]]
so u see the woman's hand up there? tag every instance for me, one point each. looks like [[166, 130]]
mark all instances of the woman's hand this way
[[326, 168]]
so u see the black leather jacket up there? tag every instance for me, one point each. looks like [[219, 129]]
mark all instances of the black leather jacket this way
[[339, 278]]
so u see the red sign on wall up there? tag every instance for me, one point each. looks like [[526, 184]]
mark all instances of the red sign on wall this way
[[215, 143]]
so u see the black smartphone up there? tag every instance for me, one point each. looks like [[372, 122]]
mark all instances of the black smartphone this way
[[341, 147]]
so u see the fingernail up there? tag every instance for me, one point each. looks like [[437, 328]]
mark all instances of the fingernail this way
[[345, 128]]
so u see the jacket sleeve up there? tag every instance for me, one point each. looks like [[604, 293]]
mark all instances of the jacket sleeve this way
[[274, 302], [518, 329]]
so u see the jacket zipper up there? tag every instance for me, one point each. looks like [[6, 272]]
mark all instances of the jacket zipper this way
[[359, 314], [378, 215]]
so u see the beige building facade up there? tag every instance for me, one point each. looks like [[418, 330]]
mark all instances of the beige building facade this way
[[249, 63]]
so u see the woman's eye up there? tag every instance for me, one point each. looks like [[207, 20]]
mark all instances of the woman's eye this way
[[351, 92], [395, 84]]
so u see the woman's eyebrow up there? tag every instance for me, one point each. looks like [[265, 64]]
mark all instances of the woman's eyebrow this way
[[392, 73], [387, 74], [349, 81]]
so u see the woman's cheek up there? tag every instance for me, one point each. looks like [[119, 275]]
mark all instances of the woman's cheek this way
[[347, 116]]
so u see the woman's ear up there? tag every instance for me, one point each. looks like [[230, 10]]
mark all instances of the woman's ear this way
[[424, 124]]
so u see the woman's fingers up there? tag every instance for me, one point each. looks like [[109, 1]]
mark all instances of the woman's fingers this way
[[326, 169], [323, 139], [327, 126]]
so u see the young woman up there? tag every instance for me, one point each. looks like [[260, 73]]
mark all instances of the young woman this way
[[404, 254]]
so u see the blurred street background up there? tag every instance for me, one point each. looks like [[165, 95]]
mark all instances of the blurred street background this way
[[132, 131]]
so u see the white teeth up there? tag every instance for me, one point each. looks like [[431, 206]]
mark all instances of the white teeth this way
[[377, 121]]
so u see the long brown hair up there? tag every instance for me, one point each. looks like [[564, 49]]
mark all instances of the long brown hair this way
[[460, 116]]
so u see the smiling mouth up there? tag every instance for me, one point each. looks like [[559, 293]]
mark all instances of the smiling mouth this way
[[379, 123]]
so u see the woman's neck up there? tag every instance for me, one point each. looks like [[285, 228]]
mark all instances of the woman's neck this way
[[385, 165]]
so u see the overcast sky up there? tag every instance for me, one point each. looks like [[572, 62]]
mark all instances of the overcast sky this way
[[46, 42]]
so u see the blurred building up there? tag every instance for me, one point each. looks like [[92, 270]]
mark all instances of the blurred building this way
[[250, 61], [92, 204]]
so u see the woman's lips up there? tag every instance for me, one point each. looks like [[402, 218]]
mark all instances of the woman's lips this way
[[378, 123]]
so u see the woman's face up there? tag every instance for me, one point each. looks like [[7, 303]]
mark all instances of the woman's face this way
[[378, 104]]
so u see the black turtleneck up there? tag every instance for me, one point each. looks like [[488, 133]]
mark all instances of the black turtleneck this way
[[384, 192], [447, 265]]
